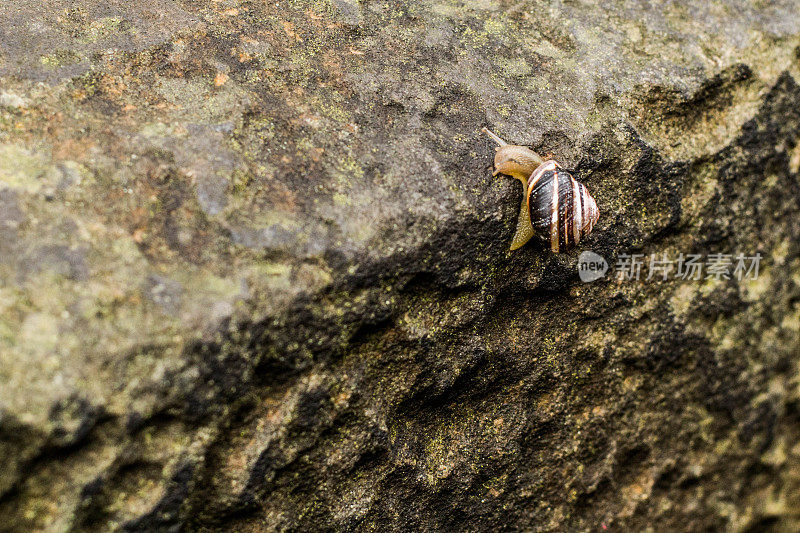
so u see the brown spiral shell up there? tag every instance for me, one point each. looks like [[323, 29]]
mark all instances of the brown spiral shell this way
[[561, 209]]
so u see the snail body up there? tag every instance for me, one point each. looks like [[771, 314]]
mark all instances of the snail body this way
[[555, 205]]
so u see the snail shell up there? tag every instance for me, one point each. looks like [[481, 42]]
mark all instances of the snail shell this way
[[559, 206], [555, 206]]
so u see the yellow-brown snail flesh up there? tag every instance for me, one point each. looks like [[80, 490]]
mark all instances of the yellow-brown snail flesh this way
[[555, 205]]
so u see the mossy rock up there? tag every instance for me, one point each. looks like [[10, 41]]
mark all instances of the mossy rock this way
[[254, 269]]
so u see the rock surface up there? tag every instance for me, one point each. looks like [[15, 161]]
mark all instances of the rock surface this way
[[254, 271]]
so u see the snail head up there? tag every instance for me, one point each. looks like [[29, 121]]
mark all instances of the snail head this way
[[516, 161]]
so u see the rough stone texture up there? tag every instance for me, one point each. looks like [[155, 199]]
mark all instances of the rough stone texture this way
[[254, 271]]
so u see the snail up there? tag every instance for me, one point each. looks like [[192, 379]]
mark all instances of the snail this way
[[554, 205]]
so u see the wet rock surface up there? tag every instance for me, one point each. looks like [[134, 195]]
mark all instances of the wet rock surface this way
[[254, 270]]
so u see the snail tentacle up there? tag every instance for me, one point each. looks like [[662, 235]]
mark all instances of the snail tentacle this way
[[494, 137]]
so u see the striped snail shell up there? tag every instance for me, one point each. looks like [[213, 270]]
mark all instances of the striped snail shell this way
[[555, 206]]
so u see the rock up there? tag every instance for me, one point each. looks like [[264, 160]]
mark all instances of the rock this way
[[255, 276]]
